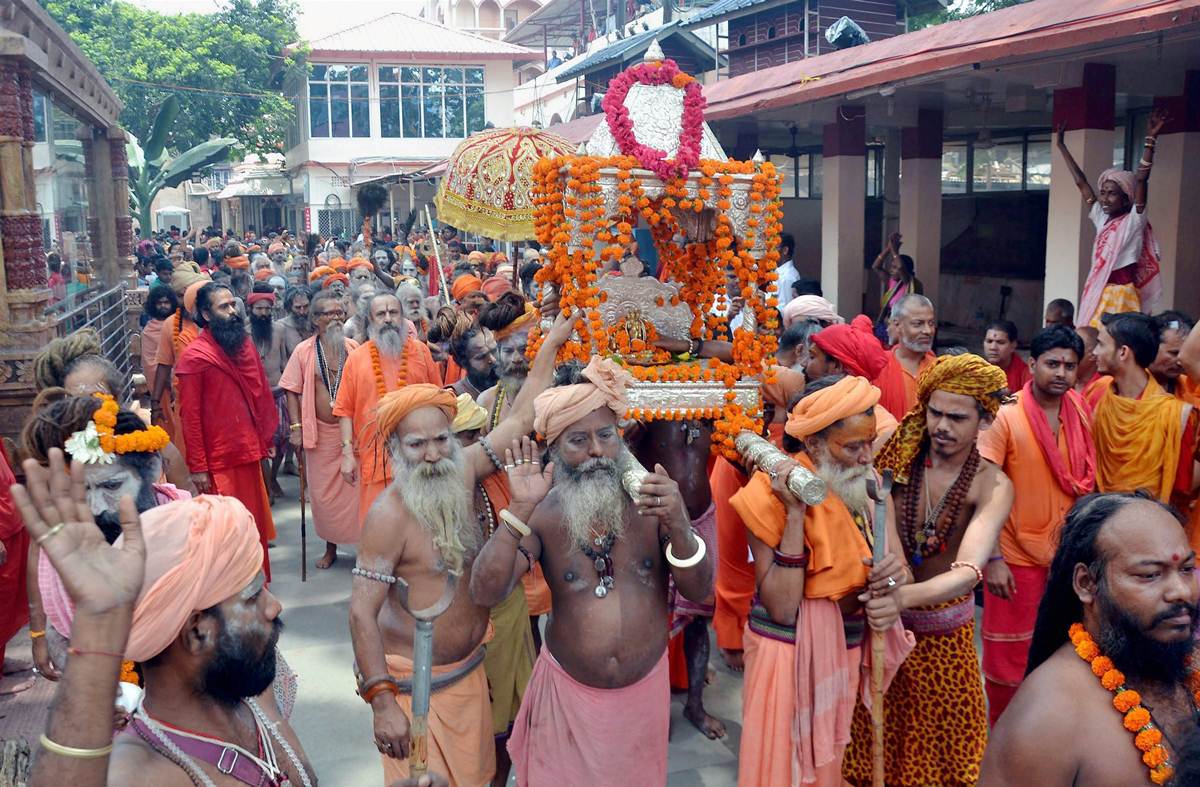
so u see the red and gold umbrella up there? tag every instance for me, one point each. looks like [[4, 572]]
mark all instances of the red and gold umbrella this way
[[489, 179]]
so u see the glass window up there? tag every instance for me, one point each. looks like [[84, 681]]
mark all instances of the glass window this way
[[1119, 147], [998, 165], [954, 167], [431, 101], [785, 167], [39, 117], [816, 174], [339, 100], [803, 182], [874, 172], [1037, 162]]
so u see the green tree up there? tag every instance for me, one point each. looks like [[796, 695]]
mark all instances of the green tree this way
[[959, 9], [228, 66]]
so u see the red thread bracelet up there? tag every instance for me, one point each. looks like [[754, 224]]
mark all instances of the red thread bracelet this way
[[786, 560], [78, 652]]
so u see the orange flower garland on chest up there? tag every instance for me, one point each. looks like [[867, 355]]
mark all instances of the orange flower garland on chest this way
[[377, 367], [1136, 718]]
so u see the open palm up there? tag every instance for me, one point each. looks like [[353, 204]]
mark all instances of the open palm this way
[[527, 479], [99, 577]]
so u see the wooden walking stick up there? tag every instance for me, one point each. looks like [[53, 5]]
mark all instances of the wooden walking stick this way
[[303, 526], [437, 256], [418, 746], [878, 492]]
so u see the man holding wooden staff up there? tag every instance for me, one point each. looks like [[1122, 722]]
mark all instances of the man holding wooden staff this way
[[816, 592], [950, 507]]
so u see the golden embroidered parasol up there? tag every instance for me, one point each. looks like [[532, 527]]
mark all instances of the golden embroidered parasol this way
[[489, 179]]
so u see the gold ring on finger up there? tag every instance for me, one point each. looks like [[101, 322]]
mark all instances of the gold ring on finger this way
[[54, 531]]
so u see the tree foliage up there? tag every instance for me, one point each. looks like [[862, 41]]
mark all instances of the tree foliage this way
[[236, 50], [959, 9]]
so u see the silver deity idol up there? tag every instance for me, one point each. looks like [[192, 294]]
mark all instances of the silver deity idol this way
[[765, 456]]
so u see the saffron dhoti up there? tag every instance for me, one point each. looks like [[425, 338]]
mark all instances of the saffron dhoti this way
[[460, 739], [509, 660], [568, 733], [935, 724]]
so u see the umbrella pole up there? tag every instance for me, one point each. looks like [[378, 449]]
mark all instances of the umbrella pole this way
[[437, 255]]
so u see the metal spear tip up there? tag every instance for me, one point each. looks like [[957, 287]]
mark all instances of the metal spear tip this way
[[879, 490], [872, 489]]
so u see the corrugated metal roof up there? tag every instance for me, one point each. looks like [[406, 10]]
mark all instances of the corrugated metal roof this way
[[725, 8], [1033, 29], [625, 49], [398, 33]]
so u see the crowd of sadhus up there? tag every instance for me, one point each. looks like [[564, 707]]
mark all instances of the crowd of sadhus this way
[[469, 474]]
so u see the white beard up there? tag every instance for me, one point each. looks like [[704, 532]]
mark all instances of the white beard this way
[[592, 498], [848, 483], [389, 340], [436, 495]]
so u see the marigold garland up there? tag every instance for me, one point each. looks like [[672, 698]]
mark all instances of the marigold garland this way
[[1136, 718], [152, 439], [567, 193], [617, 116], [377, 367]]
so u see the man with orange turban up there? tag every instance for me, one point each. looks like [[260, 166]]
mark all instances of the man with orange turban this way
[[1145, 438], [916, 325], [320, 272], [389, 360], [598, 701], [816, 592], [204, 631], [337, 283], [465, 284], [178, 331], [951, 505], [419, 531]]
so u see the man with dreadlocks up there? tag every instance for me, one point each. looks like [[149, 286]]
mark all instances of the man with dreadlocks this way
[[950, 506], [1115, 629]]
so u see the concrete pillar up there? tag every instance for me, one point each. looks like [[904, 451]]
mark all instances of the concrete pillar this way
[[891, 184], [1087, 114], [921, 198], [122, 220], [843, 210], [102, 217], [1174, 192]]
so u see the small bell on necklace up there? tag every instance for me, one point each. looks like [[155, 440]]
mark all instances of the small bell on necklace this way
[[601, 590]]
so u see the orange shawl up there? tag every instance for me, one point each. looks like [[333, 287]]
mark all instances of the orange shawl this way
[[1138, 441], [898, 388], [836, 547]]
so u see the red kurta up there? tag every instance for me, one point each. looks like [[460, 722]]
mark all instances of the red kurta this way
[[14, 604], [229, 418]]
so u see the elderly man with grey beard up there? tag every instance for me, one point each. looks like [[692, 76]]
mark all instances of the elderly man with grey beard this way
[[420, 530], [915, 326], [356, 324], [311, 380], [390, 359], [597, 707]]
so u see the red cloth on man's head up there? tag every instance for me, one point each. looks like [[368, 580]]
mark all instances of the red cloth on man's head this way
[[855, 348]]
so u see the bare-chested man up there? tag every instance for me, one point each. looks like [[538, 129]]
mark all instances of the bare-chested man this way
[[950, 507], [1124, 571], [597, 708], [421, 529]]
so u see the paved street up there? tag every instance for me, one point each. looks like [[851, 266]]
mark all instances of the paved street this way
[[333, 723]]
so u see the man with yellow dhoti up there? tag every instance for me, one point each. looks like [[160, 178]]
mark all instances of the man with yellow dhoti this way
[[311, 379], [422, 531], [935, 727], [1145, 438], [816, 593]]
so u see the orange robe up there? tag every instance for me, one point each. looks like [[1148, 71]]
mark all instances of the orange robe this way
[[170, 347], [1018, 373], [14, 605], [1027, 542], [357, 399], [1187, 391], [898, 388], [735, 572]]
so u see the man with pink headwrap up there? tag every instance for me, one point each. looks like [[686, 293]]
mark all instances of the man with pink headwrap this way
[[597, 707], [1125, 257], [810, 307]]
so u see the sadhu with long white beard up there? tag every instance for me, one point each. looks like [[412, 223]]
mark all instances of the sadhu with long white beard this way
[[420, 529], [597, 708]]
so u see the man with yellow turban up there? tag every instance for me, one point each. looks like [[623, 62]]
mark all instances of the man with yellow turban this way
[[1145, 438], [598, 703], [816, 591], [951, 505], [421, 529], [204, 631]]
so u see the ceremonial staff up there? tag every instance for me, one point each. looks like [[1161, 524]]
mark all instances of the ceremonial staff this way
[[303, 526], [878, 492]]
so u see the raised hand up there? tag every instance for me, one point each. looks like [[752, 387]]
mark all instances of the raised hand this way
[[527, 479], [98, 577], [1158, 119]]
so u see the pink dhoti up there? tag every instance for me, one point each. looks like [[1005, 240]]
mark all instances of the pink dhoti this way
[[571, 734], [334, 502]]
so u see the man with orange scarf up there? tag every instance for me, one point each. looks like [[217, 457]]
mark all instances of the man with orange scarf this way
[[178, 331], [817, 592], [933, 457], [1043, 442], [420, 530], [1145, 438], [227, 411], [916, 326]]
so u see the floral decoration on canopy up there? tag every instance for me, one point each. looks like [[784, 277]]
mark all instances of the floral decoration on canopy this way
[[488, 180], [715, 225]]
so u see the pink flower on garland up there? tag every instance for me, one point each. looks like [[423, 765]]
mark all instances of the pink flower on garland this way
[[619, 123]]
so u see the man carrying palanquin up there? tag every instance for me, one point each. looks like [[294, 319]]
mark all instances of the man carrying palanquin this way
[[1043, 443], [817, 592], [597, 709], [390, 359], [935, 727], [420, 530], [916, 326]]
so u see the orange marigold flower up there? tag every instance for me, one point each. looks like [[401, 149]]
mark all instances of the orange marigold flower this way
[[1101, 665], [1148, 739], [1087, 650], [1113, 679], [1137, 718], [1162, 774], [1126, 700]]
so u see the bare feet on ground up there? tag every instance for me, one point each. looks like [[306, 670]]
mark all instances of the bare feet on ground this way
[[734, 659], [329, 558], [711, 726]]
